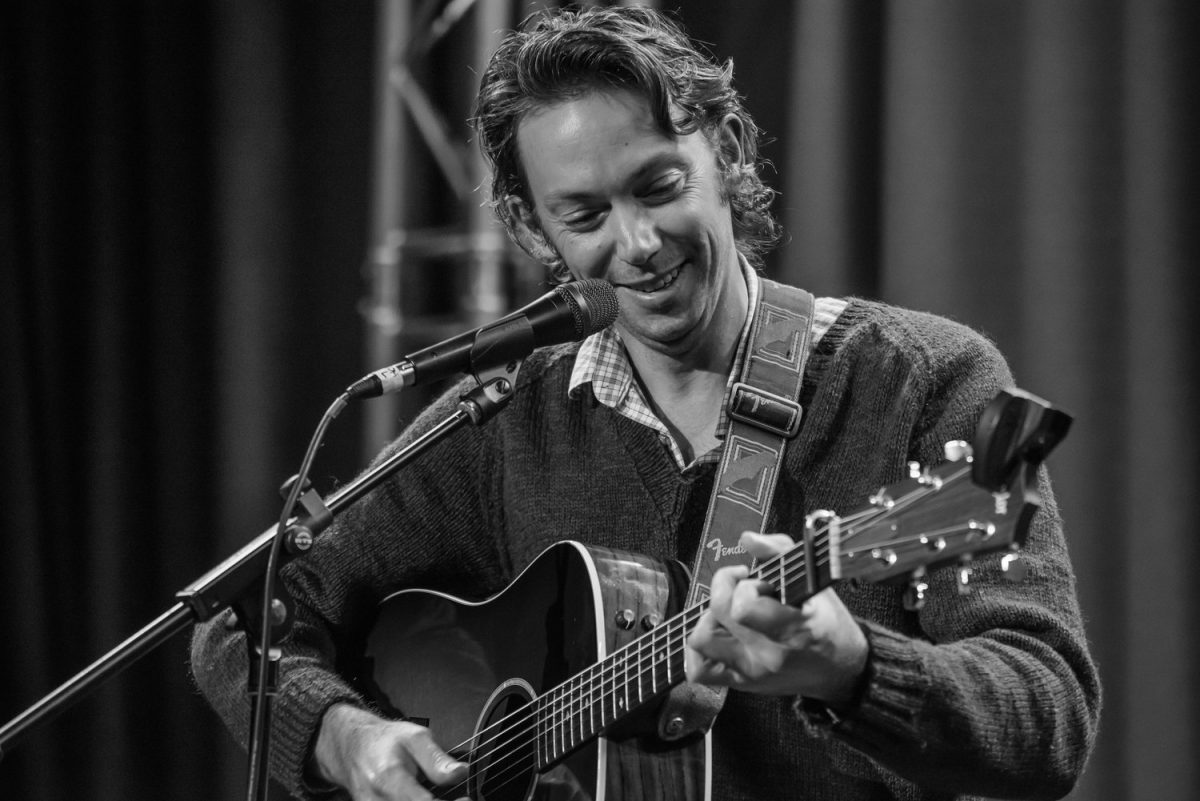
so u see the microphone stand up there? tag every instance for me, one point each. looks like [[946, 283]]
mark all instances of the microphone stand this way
[[236, 581]]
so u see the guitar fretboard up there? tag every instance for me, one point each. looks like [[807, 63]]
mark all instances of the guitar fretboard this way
[[579, 709]]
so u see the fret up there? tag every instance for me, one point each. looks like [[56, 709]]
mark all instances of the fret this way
[[781, 583], [539, 717], [792, 574], [591, 702], [613, 690], [559, 716], [668, 662], [556, 733], [675, 657], [657, 662], [627, 675], [662, 662], [637, 695], [577, 710], [568, 707], [610, 691], [568, 725]]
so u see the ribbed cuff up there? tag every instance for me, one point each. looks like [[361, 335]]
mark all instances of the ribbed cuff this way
[[311, 692], [890, 700]]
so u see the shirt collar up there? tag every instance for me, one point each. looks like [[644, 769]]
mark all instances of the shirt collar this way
[[603, 363]]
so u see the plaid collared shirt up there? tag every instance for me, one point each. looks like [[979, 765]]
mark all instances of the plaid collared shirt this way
[[603, 362]]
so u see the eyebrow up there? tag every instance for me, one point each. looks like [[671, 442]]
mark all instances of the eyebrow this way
[[656, 162]]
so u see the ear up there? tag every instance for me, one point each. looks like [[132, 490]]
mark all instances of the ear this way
[[731, 141], [521, 214], [527, 231]]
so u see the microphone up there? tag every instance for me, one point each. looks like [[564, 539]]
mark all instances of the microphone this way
[[568, 313]]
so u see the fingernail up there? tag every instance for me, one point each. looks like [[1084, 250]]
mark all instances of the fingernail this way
[[448, 765]]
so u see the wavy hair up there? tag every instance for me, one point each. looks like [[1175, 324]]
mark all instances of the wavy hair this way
[[557, 55]]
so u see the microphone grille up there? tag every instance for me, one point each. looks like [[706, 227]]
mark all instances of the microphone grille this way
[[593, 303]]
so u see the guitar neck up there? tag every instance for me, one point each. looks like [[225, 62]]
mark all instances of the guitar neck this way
[[579, 709]]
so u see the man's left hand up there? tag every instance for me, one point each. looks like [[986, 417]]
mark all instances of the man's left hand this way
[[749, 640]]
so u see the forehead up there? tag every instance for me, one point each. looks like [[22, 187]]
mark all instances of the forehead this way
[[596, 142]]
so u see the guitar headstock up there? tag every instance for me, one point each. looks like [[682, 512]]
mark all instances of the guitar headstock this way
[[943, 516], [934, 518]]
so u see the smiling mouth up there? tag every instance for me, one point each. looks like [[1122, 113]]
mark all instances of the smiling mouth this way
[[656, 283]]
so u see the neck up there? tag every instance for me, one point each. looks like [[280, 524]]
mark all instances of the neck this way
[[686, 389], [710, 355]]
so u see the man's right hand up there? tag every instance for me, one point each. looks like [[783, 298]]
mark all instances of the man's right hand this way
[[381, 760]]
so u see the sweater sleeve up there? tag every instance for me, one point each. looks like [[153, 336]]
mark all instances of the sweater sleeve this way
[[434, 528], [991, 693]]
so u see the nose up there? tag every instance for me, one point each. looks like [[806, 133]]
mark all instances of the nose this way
[[637, 237]]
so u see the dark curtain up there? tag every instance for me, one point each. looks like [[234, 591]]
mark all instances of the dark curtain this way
[[184, 219], [1031, 169]]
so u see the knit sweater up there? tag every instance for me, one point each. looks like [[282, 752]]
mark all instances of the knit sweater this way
[[991, 694]]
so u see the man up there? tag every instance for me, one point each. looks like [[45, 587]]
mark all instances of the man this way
[[619, 152]]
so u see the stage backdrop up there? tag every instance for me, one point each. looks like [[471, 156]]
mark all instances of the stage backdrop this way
[[183, 221]]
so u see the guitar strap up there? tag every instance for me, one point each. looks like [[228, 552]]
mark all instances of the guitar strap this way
[[763, 415]]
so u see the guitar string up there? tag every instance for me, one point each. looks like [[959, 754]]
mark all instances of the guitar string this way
[[563, 704]]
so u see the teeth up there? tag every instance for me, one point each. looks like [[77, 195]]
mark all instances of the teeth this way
[[666, 281]]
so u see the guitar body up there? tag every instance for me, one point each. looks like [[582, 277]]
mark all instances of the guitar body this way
[[471, 672]]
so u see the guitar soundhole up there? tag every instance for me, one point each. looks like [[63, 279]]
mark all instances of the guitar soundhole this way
[[504, 759]]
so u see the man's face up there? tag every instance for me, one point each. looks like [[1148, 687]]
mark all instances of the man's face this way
[[620, 200]]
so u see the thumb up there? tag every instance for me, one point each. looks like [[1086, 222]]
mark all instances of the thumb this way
[[764, 546]]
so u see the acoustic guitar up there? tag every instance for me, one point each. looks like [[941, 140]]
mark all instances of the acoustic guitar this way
[[549, 689]]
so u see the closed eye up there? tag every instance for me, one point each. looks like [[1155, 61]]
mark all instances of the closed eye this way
[[582, 219], [666, 188]]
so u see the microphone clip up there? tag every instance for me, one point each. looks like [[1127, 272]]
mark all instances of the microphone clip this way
[[494, 391]]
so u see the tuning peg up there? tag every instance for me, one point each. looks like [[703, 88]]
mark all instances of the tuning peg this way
[[916, 591], [882, 499], [957, 450], [886, 557], [1013, 565], [923, 475], [964, 574]]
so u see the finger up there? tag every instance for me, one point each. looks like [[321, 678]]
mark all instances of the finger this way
[[699, 662], [697, 667], [717, 648], [438, 766], [702, 670], [717, 674], [754, 609], [702, 633], [723, 584]]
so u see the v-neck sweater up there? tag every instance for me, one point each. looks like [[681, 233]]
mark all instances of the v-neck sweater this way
[[988, 694]]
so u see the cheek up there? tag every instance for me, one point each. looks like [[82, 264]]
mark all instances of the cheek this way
[[585, 258], [689, 220]]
